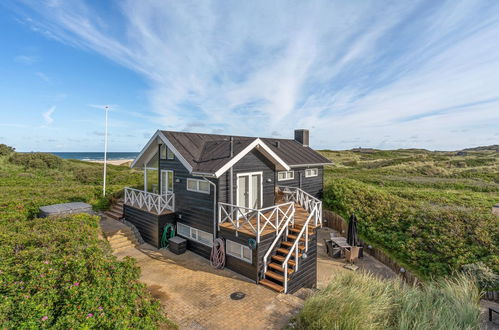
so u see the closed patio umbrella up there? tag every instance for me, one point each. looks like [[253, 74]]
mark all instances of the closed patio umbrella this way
[[352, 237]]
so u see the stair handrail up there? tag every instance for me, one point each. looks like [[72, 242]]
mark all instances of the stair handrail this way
[[307, 201], [284, 228], [294, 249], [246, 214]]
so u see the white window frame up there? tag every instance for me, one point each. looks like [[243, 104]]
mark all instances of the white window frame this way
[[169, 172], [194, 234], [287, 176], [309, 175], [168, 153], [241, 256], [197, 186]]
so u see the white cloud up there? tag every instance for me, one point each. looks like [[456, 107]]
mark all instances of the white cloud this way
[[26, 59], [346, 69], [43, 76], [47, 115]]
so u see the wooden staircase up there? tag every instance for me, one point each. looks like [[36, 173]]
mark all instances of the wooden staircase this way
[[274, 276], [116, 211]]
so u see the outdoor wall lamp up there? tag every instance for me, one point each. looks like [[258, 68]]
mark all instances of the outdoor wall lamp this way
[[177, 180], [269, 180]]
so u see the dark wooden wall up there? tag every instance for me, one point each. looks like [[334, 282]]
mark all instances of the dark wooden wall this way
[[306, 276], [312, 185], [149, 225], [195, 209], [254, 161]]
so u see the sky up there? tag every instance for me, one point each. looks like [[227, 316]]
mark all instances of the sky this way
[[382, 74]]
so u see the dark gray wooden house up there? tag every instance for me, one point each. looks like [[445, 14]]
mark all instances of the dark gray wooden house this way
[[261, 195]]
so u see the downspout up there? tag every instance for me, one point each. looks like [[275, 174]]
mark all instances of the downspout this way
[[231, 173], [214, 208]]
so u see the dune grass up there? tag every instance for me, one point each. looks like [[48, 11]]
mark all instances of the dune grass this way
[[363, 301], [429, 210]]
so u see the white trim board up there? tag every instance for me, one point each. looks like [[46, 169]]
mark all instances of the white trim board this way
[[255, 144], [163, 138]]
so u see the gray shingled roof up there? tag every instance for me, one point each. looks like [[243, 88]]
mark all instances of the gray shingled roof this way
[[209, 152]]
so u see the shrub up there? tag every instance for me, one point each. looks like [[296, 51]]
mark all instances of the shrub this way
[[483, 275], [58, 273], [5, 150], [36, 160], [363, 301], [430, 239]]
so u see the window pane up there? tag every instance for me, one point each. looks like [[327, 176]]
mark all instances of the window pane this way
[[192, 184], [170, 154], [163, 151], [170, 181], [233, 249], [281, 175], [194, 234], [205, 237], [291, 175], [183, 230], [204, 186], [246, 253]]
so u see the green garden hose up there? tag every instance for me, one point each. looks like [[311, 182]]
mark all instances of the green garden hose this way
[[168, 232]]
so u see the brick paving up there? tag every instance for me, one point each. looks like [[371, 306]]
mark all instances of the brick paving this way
[[196, 296]]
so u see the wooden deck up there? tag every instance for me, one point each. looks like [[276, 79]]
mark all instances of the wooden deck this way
[[301, 216]]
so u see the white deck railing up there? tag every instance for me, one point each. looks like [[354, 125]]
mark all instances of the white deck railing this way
[[151, 202], [256, 220], [305, 200]]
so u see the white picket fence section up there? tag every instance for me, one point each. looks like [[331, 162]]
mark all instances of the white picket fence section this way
[[151, 202], [274, 216]]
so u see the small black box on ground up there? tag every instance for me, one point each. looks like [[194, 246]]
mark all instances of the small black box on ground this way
[[177, 245]]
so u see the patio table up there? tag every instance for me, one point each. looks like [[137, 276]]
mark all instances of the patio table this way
[[341, 242]]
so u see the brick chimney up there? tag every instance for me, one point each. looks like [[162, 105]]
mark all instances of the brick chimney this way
[[302, 136]]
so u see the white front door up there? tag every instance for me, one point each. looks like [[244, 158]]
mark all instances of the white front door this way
[[249, 190], [166, 181]]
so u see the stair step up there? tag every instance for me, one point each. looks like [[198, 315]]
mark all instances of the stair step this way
[[272, 285], [286, 252], [280, 268], [114, 215], [281, 260], [297, 231], [122, 245], [120, 239], [290, 244], [294, 237], [275, 276]]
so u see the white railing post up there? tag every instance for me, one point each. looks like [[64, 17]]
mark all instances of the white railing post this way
[[258, 228]]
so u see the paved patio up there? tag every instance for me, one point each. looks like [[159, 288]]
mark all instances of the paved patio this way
[[196, 296]]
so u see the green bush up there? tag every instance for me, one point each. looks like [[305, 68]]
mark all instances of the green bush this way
[[5, 150], [36, 160], [430, 239], [363, 301], [58, 273], [482, 275]]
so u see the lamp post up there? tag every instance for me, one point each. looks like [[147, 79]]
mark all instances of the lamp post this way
[[106, 108]]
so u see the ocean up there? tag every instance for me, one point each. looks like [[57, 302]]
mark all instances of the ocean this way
[[96, 155]]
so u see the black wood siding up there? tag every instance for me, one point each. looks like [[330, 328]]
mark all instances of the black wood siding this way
[[193, 208], [312, 185], [306, 276], [254, 161], [242, 267], [149, 225]]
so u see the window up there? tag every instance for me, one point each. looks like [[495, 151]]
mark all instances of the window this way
[[309, 172], [195, 234], [285, 175], [166, 153], [198, 186], [169, 154], [239, 251]]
